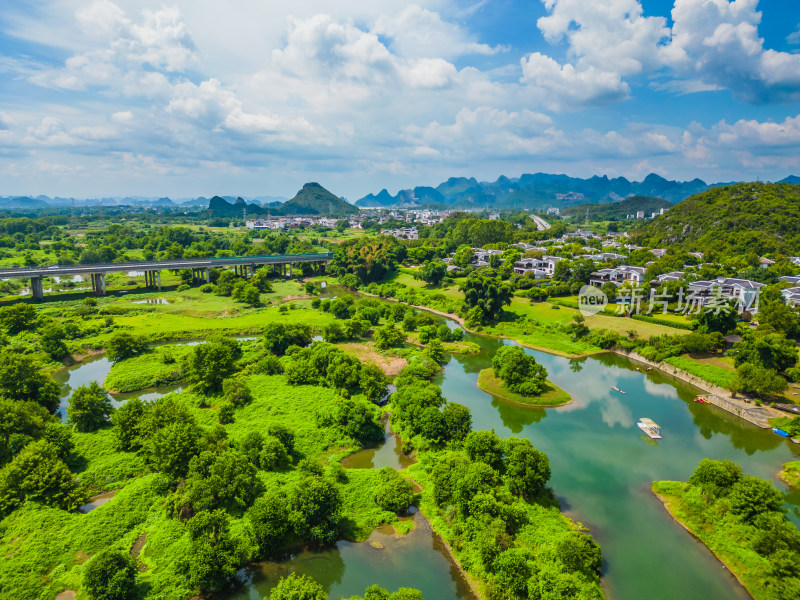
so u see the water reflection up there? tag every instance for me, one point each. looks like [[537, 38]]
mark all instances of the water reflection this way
[[417, 559]]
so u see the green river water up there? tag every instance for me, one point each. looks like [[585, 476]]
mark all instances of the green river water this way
[[602, 467]]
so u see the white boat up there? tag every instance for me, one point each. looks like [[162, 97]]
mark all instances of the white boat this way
[[650, 427]]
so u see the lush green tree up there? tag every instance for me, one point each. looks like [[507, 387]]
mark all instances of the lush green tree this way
[[752, 379], [480, 232], [388, 336], [519, 371], [273, 455], [127, 422], [225, 283], [110, 575], [214, 556], [372, 381], [220, 480], [315, 510], [171, 447], [213, 362], [431, 424], [333, 333], [770, 351], [246, 293], [720, 319], [38, 474], [486, 447], [284, 434], [433, 272], [298, 587], [89, 408], [464, 256], [477, 478], [21, 422], [357, 419], [610, 290], [21, 379], [435, 351], [484, 297], [579, 552], [512, 571], [716, 477], [368, 258], [125, 345], [237, 392], [18, 317], [269, 516], [278, 337], [457, 420], [341, 308], [52, 341], [751, 496], [527, 469], [394, 493]]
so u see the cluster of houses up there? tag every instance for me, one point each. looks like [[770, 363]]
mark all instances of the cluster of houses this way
[[283, 223]]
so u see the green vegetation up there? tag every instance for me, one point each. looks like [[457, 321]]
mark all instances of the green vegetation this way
[[550, 397], [741, 520], [791, 473], [165, 365], [738, 219], [716, 375], [519, 372], [613, 211]]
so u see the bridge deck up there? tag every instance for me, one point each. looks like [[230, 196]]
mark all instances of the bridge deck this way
[[163, 265]]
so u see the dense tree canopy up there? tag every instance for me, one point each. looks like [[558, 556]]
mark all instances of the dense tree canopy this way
[[519, 371]]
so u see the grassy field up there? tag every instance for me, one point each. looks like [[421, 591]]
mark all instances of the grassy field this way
[[712, 373], [554, 396], [159, 367]]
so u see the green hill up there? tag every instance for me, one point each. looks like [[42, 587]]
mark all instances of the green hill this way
[[618, 210], [314, 199], [743, 218]]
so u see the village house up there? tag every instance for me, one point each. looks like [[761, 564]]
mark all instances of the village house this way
[[743, 291], [617, 275], [540, 267]]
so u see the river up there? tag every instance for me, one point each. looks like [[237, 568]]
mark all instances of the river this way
[[602, 467]]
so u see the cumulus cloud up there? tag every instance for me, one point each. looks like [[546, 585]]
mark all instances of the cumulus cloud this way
[[565, 87], [712, 44], [717, 42], [417, 32]]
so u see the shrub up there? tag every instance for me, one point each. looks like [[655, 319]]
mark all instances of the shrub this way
[[207, 288], [183, 287], [111, 575]]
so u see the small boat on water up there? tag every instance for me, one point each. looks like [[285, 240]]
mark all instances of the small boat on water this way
[[780, 432], [701, 399], [795, 440], [650, 427], [616, 389]]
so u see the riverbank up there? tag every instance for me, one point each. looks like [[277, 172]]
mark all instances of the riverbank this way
[[737, 559], [790, 474], [553, 397]]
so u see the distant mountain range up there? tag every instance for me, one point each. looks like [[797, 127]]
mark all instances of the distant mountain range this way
[[30, 202], [312, 199], [537, 191]]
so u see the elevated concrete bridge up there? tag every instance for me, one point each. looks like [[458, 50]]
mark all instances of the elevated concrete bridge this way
[[243, 265]]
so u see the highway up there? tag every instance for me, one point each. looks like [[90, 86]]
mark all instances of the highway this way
[[540, 222]]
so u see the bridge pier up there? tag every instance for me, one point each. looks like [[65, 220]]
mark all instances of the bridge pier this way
[[37, 288], [99, 283], [208, 275]]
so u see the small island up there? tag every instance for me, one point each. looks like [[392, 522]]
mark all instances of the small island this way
[[791, 473], [740, 518], [516, 377]]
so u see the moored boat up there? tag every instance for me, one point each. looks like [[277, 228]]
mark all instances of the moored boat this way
[[650, 427], [780, 432]]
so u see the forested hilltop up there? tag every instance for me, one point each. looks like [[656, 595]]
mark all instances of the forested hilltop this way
[[743, 218]]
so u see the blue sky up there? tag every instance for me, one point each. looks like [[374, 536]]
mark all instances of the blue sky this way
[[195, 97]]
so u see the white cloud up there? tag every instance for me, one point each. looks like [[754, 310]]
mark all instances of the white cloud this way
[[123, 117], [417, 32], [717, 42], [565, 87], [794, 37]]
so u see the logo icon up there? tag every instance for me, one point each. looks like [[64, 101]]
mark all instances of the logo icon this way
[[591, 300]]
